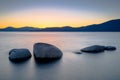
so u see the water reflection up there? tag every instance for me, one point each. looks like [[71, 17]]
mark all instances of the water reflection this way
[[46, 70], [103, 66], [18, 61]]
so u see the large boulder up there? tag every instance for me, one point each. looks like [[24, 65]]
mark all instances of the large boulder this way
[[93, 49], [46, 52], [110, 48], [19, 54]]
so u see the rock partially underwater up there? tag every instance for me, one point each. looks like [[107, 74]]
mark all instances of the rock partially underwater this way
[[19, 54], [110, 48], [97, 49], [93, 49], [46, 52]]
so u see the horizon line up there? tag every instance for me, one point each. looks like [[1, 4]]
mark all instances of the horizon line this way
[[57, 26]]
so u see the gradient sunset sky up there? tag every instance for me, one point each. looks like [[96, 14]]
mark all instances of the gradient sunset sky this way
[[57, 13]]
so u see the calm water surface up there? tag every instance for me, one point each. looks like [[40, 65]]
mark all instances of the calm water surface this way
[[102, 66]]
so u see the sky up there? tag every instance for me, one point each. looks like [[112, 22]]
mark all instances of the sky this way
[[57, 13]]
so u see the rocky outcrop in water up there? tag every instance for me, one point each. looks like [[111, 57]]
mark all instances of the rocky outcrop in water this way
[[110, 48], [19, 54], [97, 48], [93, 49], [46, 52]]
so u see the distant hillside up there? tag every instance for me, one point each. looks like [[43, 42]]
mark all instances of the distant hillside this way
[[20, 29], [109, 26], [112, 25]]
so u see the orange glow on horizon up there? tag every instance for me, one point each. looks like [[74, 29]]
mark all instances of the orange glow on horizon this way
[[49, 18]]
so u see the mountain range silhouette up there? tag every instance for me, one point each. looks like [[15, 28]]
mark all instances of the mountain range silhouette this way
[[109, 26]]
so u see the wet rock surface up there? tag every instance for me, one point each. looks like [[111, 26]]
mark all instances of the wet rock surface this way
[[110, 48], [46, 52], [97, 49], [19, 54], [93, 49]]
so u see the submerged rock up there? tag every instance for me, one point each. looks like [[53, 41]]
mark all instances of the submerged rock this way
[[19, 54], [110, 48], [46, 52], [93, 49], [78, 52]]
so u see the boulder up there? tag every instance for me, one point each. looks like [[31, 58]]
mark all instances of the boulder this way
[[19, 54], [110, 48], [46, 52], [94, 49]]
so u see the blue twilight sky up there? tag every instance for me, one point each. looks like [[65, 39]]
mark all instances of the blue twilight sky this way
[[52, 13]]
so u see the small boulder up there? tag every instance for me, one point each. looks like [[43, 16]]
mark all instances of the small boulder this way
[[46, 52], [110, 48], [93, 49], [19, 54]]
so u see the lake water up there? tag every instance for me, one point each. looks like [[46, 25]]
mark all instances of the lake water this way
[[101, 66]]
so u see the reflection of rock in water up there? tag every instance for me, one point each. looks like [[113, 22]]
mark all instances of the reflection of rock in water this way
[[44, 52], [18, 55]]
